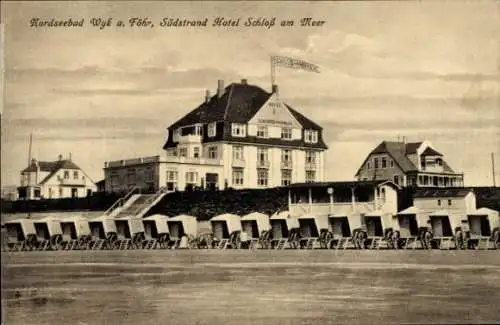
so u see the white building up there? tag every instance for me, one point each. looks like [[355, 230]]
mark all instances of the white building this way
[[54, 179], [242, 137]]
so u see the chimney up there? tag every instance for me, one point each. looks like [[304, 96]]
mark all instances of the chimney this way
[[207, 96], [244, 82], [33, 162], [220, 88], [60, 157], [275, 89]]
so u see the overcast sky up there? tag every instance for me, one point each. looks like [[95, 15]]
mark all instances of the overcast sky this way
[[424, 70]]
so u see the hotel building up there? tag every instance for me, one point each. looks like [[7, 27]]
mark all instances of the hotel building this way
[[242, 137]]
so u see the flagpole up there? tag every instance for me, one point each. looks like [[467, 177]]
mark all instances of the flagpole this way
[[273, 72]]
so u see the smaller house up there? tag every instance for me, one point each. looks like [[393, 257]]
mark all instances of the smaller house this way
[[416, 164], [444, 208], [53, 180]]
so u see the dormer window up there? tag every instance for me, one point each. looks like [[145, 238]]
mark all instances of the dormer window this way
[[198, 129], [66, 174], [262, 131], [238, 130], [311, 136], [439, 162], [212, 129]]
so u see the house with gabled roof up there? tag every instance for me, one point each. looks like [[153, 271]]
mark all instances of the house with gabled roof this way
[[416, 164], [243, 137], [54, 179]]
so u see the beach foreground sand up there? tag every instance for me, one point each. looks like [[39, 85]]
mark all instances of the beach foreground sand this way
[[244, 287]]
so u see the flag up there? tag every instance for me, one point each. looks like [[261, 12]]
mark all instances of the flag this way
[[287, 62]]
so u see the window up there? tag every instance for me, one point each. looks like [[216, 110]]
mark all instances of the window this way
[[310, 157], [191, 177], [238, 130], [262, 177], [212, 129], [396, 179], [196, 152], [171, 152], [311, 136], [262, 155], [114, 180], [237, 176], [148, 174], [171, 180], [212, 152], [286, 158], [66, 175], [60, 192], [375, 163], [238, 153], [176, 134], [131, 177], [75, 175], [384, 163], [262, 131], [310, 176], [198, 129], [286, 133], [439, 202], [368, 165], [449, 202], [286, 177], [439, 162], [50, 192], [182, 152], [392, 163]]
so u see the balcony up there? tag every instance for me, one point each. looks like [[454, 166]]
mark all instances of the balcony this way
[[190, 138], [194, 161], [311, 165], [239, 163], [344, 208], [286, 164], [131, 162], [263, 163]]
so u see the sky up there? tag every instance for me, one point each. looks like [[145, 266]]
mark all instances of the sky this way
[[422, 70]]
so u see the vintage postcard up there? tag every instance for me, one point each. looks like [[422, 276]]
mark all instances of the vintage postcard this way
[[250, 162]]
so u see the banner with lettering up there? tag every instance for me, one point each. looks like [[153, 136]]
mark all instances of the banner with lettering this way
[[287, 62]]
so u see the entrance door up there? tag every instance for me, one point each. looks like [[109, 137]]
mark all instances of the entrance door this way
[[212, 180], [74, 192], [374, 226]]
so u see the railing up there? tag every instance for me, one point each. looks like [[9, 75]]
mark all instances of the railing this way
[[335, 208], [190, 138], [121, 201], [311, 166], [286, 164], [193, 160], [69, 181], [150, 200], [262, 163], [238, 163]]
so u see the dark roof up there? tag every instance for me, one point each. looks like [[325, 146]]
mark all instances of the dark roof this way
[[398, 152], [51, 166], [430, 152], [441, 192], [238, 104], [101, 182], [412, 147], [341, 184]]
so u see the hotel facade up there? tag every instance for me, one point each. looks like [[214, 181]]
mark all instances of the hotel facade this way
[[242, 137]]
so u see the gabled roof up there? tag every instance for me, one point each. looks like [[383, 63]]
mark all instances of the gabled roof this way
[[398, 152], [239, 103], [430, 152], [441, 192], [52, 167]]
